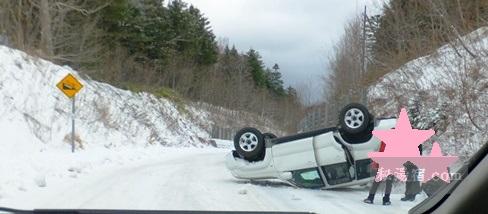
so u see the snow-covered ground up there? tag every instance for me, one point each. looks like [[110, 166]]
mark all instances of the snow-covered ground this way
[[182, 179]]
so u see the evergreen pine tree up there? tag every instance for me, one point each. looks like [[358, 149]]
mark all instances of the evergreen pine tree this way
[[256, 67]]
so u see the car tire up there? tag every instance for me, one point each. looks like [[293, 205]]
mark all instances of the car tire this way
[[354, 118], [249, 143], [358, 138]]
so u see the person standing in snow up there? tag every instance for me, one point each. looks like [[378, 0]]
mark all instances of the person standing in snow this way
[[412, 185], [389, 183]]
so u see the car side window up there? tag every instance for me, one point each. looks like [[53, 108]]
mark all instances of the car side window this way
[[363, 168], [337, 173], [308, 178]]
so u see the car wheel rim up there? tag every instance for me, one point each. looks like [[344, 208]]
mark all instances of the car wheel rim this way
[[354, 118], [248, 142]]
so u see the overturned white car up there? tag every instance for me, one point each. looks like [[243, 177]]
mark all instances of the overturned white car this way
[[326, 158]]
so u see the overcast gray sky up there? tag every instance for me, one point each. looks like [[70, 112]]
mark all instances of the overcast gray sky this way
[[296, 34]]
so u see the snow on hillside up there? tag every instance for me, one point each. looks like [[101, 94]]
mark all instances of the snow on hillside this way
[[34, 110], [446, 90], [113, 126]]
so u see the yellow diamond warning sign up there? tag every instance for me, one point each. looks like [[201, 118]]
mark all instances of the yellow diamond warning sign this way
[[69, 85]]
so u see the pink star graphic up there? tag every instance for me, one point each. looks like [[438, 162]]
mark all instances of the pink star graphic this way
[[403, 140], [401, 146], [436, 164]]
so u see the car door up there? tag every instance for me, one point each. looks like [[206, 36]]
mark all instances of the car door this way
[[294, 155], [359, 155], [332, 159], [360, 150]]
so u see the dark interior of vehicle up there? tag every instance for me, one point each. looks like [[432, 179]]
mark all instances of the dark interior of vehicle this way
[[337, 173], [363, 168]]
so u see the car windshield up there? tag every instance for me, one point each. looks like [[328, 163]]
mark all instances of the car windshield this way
[[321, 106]]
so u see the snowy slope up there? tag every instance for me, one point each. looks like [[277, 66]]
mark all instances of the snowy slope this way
[[115, 126], [34, 111], [446, 90]]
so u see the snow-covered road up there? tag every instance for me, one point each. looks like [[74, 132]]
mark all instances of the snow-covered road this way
[[191, 179]]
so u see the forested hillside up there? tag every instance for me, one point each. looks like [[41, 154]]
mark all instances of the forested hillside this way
[[427, 56], [413, 28], [405, 30], [165, 48]]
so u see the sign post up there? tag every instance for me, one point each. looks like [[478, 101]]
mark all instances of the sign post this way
[[70, 86], [73, 125]]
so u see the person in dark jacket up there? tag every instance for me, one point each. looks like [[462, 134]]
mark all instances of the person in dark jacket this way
[[412, 185], [374, 187]]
